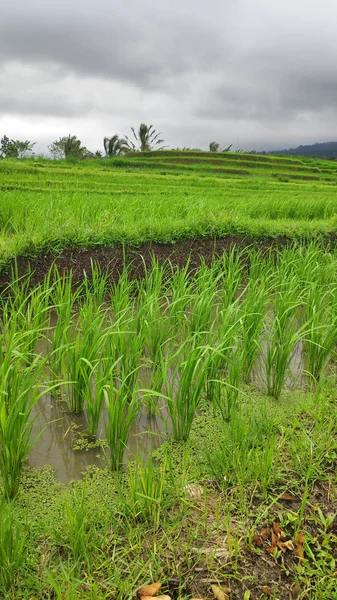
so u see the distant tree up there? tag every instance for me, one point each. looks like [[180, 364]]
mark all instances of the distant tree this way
[[98, 154], [214, 147], [68, 146], [114, 146], [146, 139], [15, 148]]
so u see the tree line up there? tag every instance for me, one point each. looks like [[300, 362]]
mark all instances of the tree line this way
[[145, 139]]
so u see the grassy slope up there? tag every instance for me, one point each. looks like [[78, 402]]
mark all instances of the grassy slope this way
[[162, 197]]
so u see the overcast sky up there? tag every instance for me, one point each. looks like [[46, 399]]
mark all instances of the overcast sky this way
[[255, 73]]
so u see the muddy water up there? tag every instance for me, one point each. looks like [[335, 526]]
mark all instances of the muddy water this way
[[59, 430]]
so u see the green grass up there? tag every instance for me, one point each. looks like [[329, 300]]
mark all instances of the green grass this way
[[48, 205]]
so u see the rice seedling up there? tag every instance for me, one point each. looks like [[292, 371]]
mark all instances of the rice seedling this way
[[13, 540], [30, 316], [245, 452], [184, 382], [95, 284], [252, 312], [282, 336], [201, 314], [122, 406], [147, 491], [19, 392], [97, 378], [321, 330], [76, 513], [230, 267], [81, 352]]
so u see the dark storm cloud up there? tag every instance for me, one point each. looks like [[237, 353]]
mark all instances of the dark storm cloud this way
[[239, 69], [126, 41]]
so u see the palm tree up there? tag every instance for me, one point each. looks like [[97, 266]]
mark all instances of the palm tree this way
[[114, 146], [68, 146], [146, 139], [214, 147]]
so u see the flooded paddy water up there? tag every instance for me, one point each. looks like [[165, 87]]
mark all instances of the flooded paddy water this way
[[132, 363]]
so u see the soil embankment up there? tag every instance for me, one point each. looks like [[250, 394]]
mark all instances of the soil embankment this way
[[113, 259]]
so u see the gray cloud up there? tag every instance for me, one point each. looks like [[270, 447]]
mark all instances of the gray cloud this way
[[259, 73]]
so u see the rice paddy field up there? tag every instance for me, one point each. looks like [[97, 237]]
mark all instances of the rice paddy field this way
[[168, 378]]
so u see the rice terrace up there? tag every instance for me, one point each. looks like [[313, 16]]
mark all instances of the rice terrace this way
[[168, 377]]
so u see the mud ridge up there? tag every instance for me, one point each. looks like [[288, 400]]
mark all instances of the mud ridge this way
[[113, 259]]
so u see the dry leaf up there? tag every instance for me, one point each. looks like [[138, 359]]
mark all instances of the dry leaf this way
[[284, 546], [287, 497], [194, 491], [265, 533], [299, 545], [278, 531], [149, 590], [157, 597], [257, 541], [273, 545], [266, 591], [220, 593]]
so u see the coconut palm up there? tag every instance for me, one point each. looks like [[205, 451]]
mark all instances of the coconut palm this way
[[146, 139], [68, 146], [214, 147], [114, 146]]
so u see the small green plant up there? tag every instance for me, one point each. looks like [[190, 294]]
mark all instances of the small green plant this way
[[122, 407], [12, 546], [147, 492]]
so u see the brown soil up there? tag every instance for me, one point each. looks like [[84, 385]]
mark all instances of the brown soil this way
[[112, 259]]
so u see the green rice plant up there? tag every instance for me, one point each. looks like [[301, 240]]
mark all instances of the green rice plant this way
[[12, 546], [125, 346], [156, 329], [282, 336], [30, 316], [98, 377], [222, 341], [246, 452], [19, 393], [204, 299], [185, 376], [147, 493], [232, 382], [122, 407], [230, 267], [76, 520], [95, 283], [64, 296], [321, 329], [122, 295], [85, 342], [180, 295], [252, 315]]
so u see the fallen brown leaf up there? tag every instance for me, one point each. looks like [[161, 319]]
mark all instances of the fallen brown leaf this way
[[265, 533], [287, 497], [149, 590], [273, 545], [220, 593], [157, 597], [257, 541], [284, 546], [266, 590], [299, 545], [278, 531]]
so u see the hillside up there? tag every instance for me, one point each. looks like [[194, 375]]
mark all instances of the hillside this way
[[326, 150], [162, 197]]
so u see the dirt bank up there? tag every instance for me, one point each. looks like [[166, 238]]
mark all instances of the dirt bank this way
[[113, 258]]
